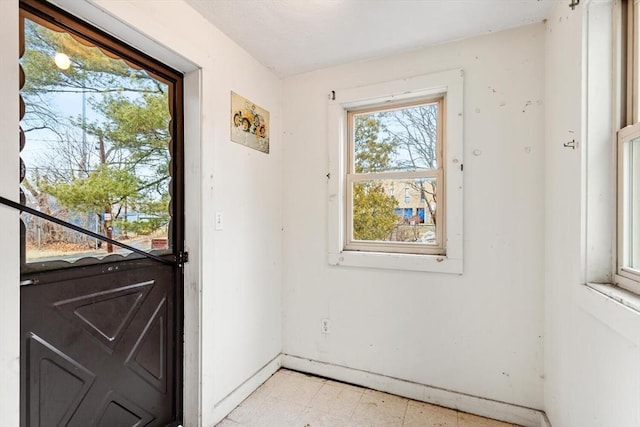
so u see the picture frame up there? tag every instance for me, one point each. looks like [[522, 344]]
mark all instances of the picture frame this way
[[250, 123]]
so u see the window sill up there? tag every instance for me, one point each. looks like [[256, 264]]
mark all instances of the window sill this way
[[614, 307], [389, 261], [619, 295]]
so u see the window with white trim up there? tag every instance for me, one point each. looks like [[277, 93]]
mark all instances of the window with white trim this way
[[628, 149], [395, 178], [395, 145]]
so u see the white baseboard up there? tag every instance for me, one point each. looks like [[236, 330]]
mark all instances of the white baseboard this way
[[463, 402], [233, 399]]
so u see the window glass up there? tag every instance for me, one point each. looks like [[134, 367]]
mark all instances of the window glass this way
[[395, 151], [378, 216], [401, 139], [631, 209], [96, 149]]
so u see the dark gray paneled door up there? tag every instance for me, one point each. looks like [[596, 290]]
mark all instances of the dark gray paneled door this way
[[99, 349]]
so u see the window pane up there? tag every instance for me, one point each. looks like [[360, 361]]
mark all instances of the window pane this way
[[632, 204], [634, 58], [403, 139], [96, 150], [379, 215]]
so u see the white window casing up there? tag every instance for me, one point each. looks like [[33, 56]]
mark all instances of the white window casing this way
[[446, 84]]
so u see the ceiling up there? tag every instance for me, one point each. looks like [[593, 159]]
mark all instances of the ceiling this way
[[296, 36]]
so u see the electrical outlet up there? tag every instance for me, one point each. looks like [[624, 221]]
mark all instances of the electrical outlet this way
[[325, 326]]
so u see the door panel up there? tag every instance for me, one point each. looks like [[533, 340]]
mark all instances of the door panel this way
[[99, 350]]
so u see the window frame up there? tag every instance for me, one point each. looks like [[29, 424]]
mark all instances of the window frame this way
[[627, 277], [447, 85], [437, 173]]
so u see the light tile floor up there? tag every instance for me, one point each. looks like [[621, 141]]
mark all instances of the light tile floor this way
[[292, 399]]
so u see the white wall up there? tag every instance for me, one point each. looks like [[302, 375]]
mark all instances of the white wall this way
[[592, 345], [9, 232], [479, 333], [238, 274]]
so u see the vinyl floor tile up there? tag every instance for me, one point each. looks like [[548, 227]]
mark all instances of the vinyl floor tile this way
[[425, 415], [380, 409], [337, 399]]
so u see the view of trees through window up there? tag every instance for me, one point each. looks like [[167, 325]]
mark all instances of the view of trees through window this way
[[95, 150], [395, 172]]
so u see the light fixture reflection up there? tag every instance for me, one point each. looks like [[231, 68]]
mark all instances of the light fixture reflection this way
[[62, 61]]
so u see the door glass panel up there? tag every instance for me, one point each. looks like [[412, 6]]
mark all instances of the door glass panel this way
[[96, 148]]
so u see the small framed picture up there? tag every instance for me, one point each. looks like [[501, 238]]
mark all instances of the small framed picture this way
[[249, 124]]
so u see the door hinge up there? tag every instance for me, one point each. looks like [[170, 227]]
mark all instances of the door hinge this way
[[183, 258]]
